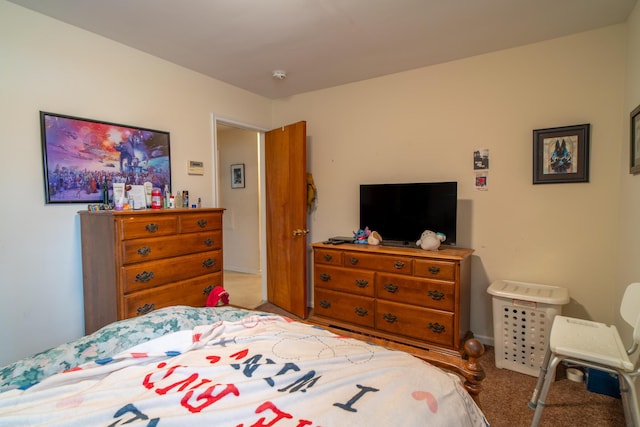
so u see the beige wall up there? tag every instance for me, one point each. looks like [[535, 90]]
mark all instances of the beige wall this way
[[242, 214], [47, 65], [423, 125]]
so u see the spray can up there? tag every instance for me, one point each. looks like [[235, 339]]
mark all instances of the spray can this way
[[156, 199]]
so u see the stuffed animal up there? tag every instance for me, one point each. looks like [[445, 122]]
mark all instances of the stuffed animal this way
[[361, 236], [374, 238], [430, 240]]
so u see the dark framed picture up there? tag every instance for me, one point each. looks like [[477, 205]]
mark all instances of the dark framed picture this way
[[561, 154], [81, 156], [634, 167], [237, 175]]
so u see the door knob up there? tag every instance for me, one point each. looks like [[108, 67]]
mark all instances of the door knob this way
[[299, 232]]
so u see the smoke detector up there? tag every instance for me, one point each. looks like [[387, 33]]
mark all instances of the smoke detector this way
[[279, 74]]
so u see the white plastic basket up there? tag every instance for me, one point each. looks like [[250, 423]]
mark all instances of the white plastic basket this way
[[522, 318]]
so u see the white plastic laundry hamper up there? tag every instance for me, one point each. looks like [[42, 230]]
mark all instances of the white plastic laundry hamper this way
[[522, 318]]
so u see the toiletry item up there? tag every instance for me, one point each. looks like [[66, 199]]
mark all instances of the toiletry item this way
[[156, 202], [172, 201], [185, 199], [178, 200], [148, 188], [118, 195], [199, 202]]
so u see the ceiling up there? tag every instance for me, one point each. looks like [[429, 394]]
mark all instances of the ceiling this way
[[325, 43]]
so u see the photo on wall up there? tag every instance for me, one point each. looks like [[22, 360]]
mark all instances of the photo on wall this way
[[81, 156]]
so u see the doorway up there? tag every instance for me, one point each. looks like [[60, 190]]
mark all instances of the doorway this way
[[239, 184]]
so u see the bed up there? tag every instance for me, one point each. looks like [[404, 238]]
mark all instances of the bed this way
[[230, 367]]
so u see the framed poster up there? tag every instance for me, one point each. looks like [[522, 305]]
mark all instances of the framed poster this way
[[81, 156], [561, 154], [634, 167], [237, 175]]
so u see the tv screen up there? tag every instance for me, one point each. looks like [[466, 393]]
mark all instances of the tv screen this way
[[401, 212]]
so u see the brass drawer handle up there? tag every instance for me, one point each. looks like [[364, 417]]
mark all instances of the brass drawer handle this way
[[145, 309], [208, 242], [434, 270], [209, 262], [202, 223], [144, 251], [207, 290], [328, 257], [389, 317], [325, 277], [353, 260], [391, 288], [325, 304], [361, 311], [399, 265], [436, 327], [361, 283], [144, 276], [151, 228], [436, 295]]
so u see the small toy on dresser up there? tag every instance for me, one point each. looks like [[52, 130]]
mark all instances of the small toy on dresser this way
[[367, 237], [430, 240]]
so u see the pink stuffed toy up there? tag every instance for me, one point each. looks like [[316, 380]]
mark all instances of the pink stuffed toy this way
[[217, 297]]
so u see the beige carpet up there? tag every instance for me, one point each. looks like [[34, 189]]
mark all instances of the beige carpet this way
[[245, 290], [506, 393]]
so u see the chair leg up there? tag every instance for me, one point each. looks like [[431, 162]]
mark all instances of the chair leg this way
[[543, 372], [629, 400], [548, 379]]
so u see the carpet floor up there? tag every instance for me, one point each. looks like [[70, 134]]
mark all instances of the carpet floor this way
[[506, 393]]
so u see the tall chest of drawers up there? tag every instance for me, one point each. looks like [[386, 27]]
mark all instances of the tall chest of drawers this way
[[137, 261], [408, 295]]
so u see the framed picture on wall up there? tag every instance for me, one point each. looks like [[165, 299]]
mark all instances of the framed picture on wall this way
[[81, 156], [561, 154], [237, 175], [635, 141]]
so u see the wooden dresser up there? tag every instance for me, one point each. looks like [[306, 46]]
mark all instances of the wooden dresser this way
[[407, 295], [137, 261]]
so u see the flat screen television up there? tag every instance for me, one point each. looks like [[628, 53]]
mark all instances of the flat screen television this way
[[401, 212]]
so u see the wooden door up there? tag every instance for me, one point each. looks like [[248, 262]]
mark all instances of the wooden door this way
[[286, 222]]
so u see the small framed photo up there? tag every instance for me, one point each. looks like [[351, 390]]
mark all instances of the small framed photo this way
[[237, 175], [635, 141], [561, 154]]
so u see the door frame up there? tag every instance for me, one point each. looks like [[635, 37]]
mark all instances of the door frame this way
[[261, 183]]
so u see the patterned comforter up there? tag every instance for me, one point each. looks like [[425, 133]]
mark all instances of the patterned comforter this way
[[229, 367]]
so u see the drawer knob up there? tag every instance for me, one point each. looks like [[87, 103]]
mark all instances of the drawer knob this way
[[391, 288], [361, 311], [145, 309], [145, 276], [325, 277], [202, 223], [436, 295], [144, 251], [209, 262], [399, 265], [325, 304], [328, 257], [151, 228], [434, 270], [361, 283], [208, 242], [207, 290], [436, 327], [353, 260], [389, 317]]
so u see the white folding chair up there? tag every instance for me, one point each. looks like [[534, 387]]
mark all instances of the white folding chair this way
[[594, 345]]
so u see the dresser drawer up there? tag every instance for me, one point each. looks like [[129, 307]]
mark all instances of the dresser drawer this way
[[192, 292], [412, 290], [390, 263], [134, 227], [150, 274], [344, 307], [441, 270], [325, 256], [140, 250], [197, 222], [354, 281], [420, 323]]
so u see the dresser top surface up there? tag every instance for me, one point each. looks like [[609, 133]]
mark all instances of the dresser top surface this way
[[152, 211], [442, 253]]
